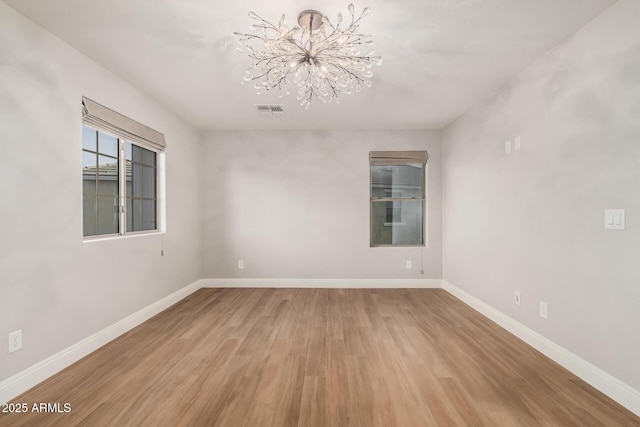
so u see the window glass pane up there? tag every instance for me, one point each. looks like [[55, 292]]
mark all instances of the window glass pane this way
[[148, 214], [136, 180], [105, 162], [148, 182], [148, 157], [89, 160], [89, 170], [89, 138], [136, 215], [88, 184], [89, 215], [107, 176], [136, 153], [128, 186], [127, 150], [107, 144], [397, 181], [129, 214], [107, 215], [396, 222]]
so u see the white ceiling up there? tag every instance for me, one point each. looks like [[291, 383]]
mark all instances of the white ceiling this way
[[440, 56]]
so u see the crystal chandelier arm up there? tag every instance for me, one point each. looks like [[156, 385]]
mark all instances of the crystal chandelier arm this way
[[334, 45], [266, 24], [266, 86], [335, 31], [353, 26], [352, 75], [333, 89], [246, 37], [297, 43], [306, 99], [333, 40]]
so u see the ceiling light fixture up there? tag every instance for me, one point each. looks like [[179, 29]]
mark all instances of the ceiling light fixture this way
[[322, 60]]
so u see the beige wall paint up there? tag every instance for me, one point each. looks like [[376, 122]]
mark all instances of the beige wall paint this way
[[54, 287], [533, 220], [295, 204]]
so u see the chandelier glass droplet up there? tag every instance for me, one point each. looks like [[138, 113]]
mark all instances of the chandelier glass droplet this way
[[315, 58]]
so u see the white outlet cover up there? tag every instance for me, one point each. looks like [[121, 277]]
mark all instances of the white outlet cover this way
[[516, 297], [15, 341], [408, 265], [240, 264], [507, 147], [543, 310]]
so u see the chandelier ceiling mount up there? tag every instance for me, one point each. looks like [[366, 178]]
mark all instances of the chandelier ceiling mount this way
[[310, 19]]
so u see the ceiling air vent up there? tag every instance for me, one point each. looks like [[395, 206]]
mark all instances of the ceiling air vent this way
[[269, 110]]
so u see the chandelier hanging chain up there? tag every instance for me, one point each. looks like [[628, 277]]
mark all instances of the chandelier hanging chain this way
[[320, 65]]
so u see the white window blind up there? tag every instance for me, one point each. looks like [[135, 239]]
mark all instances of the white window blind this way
[[398, 157], [103, 118]]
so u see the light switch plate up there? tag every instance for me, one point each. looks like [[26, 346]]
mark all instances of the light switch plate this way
[[614, 219], [516, 143], [507, 147]]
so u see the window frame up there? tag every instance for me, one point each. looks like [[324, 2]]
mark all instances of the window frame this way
[[156, 197], [122, 182], [398, 158]]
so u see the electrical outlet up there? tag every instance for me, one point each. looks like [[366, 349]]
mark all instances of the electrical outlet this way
[[15, 341], [408, 265], [240, 264], [516, 297], [543, 309]]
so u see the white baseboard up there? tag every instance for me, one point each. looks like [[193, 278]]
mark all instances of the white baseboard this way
[[23, 381], [322, 283], [614, 388]]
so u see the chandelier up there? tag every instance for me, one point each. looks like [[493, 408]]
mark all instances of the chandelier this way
[[320, 59]]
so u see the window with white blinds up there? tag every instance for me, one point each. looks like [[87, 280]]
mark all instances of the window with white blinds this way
[[120, 173], [397, 198]]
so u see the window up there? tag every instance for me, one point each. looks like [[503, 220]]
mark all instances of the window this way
[[141, 188], [397, 197], [119, 173]]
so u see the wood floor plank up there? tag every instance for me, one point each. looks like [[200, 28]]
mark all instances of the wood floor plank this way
[[319, 357], [289, 392], [238, 402], [317, 352], [313, 407]]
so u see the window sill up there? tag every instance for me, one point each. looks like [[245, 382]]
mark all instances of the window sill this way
[[106, 237], [398, 246]]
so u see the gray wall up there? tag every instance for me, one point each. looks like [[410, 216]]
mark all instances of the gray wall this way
[[296, 205], [533, 220], [54, 287]]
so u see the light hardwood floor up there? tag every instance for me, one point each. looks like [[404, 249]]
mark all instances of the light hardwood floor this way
[[319, 357]]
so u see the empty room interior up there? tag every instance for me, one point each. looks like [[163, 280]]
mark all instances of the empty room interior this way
[[407, 213]]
